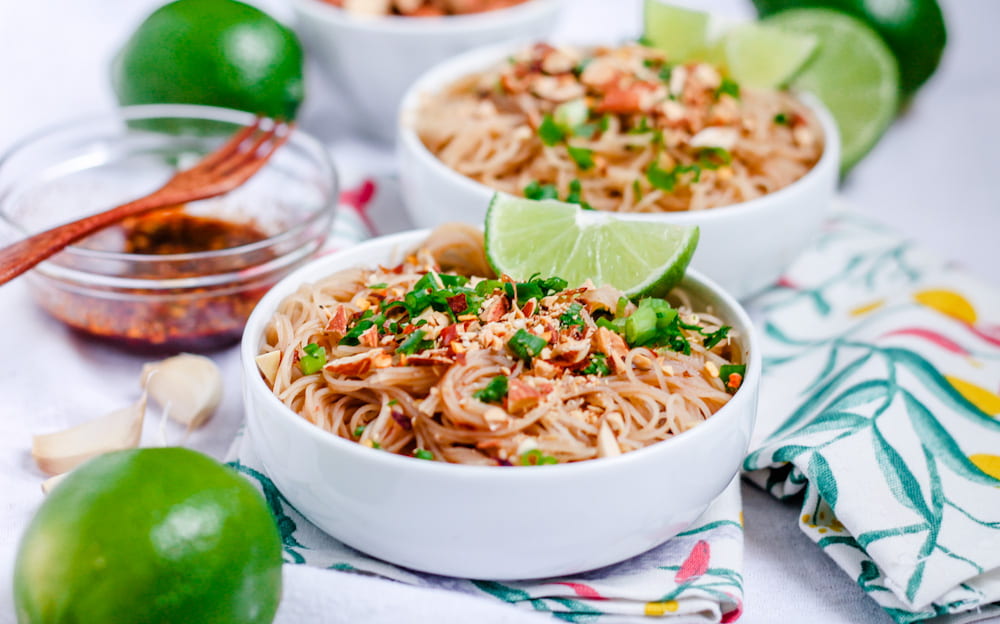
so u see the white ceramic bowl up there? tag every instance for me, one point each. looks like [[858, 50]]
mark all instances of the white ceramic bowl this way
[[744, 247], [493, 522], [374, 59]]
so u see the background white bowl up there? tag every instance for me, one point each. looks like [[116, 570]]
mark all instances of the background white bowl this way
[[374, 59], [744, 247], [493, 522]]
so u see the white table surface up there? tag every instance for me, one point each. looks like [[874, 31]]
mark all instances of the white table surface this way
[[933, 176]]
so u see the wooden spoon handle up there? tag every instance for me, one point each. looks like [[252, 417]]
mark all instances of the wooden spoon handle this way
[[24, 254]]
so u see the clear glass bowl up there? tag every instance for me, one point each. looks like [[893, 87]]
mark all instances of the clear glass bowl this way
[[164, 302]]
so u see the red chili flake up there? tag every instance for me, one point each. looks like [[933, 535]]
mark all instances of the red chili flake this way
[[735, 379], [458, 303], [402, 420]]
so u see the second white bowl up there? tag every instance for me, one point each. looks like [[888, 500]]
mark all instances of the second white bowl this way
[[744, 247], [374, 59]]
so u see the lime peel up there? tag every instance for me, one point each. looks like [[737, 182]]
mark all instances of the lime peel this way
[[638, 257]]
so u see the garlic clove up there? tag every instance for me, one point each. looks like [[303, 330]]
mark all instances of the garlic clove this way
[[187, 387], [52, 482], [62, 451], [607, 443], [268, 365]]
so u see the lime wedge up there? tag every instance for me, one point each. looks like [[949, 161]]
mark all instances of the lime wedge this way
[[525, 237], [678, 32], [764, 57], [854, 74]]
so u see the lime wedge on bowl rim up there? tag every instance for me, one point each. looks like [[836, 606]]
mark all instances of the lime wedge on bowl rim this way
[[853, 73], [640, 258], [680, 33], [765, 57]]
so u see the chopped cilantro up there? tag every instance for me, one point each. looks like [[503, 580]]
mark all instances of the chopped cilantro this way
[[661, 178], [494, 391], [727, 370], [713, 338], [414, 342], [549, 131], [526, 345], [575, 188], [535, 457], [642, 127], [598, 365], [571, 316], [582, 156], [782, 119], [358, 431], [728, 87], [537, 191], [376, 445]]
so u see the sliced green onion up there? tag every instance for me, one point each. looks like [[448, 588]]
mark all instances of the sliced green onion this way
[[582, 156], [598, 365], [537, 191], [358, 431], [726, 370], [423, 454], [572, 316], [728, 87], [414, 342], [313, 360], [549, 131], [535, 457], [782, 119], [494, 391], [526, 345]]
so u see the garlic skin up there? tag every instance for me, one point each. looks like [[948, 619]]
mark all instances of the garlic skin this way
[[62, 451], [52, 482], [187, 387]]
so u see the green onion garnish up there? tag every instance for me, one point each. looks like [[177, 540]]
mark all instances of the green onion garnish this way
[[379, 286], [358, 431], [313, 360], [782, 119], [661, 178], [526, 345], [423, 454], [727, 370], [414, 342], [713, 338], [728, 87], [494, 391]]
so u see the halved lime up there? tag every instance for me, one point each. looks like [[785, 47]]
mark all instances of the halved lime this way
[[854, 73], [554, 239], [764, 57], [678, 32]]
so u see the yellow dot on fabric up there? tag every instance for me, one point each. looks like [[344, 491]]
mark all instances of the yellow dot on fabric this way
[[947, 302], [868, 307], [806, 518], [741, 518], [822, 530], [819, 516], [661, 608], [982, 398], [990, 464]]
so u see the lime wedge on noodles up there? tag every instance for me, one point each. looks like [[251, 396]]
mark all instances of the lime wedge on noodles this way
[[553, 239], [678, 32], [854, 73], [763, 57]]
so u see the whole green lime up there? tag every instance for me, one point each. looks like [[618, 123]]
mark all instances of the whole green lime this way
[[913, 29], [212, 52], [156, 535]]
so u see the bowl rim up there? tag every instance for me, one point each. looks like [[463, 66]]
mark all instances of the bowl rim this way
[[252, 382], [429, 26], [176, 111], [483, 57]]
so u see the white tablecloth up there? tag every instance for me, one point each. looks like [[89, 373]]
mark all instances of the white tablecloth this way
[[933, 176]]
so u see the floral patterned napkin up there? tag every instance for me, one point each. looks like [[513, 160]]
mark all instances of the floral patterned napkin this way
[[879, 404]]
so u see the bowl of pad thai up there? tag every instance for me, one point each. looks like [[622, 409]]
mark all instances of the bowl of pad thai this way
[[422, 409], [623, 130]]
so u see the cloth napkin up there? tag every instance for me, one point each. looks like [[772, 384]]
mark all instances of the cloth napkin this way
[[879, 405], [694, 577]]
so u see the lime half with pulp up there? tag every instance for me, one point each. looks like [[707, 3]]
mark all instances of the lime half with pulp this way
[[853, 73], [553, 239]]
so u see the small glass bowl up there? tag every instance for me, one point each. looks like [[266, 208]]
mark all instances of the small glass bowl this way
[[166, 302]]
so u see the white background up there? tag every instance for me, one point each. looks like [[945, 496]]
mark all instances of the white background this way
[[933, 176]]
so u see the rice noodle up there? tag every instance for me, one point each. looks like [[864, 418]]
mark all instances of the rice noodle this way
[[640, 111], [425, 399]]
